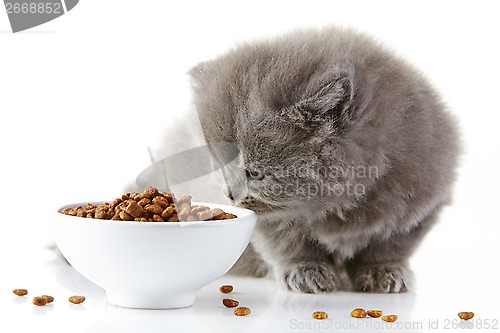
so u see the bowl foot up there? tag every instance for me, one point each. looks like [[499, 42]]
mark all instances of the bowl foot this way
[[151, 300]]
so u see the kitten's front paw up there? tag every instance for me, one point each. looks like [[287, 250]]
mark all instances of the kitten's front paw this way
[[310, 278], [381, 279]]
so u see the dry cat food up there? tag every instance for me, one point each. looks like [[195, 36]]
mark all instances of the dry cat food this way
[[230, 303], [389, 318], [40, 301], [43, 300], [77, 299], [48, 298], [358, 313], [320, 315], [375, 313], [466, 315], [20, 292], [226, 289], [149, 206], [242, 311]]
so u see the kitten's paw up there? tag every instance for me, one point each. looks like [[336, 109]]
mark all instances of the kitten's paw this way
[[310, 278], [381, 279]]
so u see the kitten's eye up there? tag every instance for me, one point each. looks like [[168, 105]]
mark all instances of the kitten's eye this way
[[255, 174]]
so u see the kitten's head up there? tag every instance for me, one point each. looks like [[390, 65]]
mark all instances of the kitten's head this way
[[281, 117]]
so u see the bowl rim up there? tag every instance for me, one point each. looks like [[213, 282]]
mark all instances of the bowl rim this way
[[247, 213]]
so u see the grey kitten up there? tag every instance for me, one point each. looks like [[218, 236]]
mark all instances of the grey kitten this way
[[345, 152]]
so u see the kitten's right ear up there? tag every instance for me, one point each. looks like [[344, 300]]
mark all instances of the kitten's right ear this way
[[326, 101]]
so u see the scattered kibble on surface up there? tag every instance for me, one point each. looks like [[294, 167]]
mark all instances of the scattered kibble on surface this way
[[39, 301], [389, 318], [49, 299], [226, 289], [466, 315], [375, 313], [242, 311], [358, 313], [230, 303], [320, 315], [20, 292], [77, 299]]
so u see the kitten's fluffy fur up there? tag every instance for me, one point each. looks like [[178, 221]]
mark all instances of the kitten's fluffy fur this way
[[314, 113]]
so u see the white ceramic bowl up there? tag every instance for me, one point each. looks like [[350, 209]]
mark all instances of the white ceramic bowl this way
[[153, 265]]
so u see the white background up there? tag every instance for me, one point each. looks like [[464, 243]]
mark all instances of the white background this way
[[84, 96]]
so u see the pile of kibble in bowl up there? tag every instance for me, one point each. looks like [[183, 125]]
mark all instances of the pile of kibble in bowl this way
[[149, 206]]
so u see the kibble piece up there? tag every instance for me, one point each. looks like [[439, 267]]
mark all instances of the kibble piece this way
[[389, 318], [226, 289], [49, 299], [230, 303], [39, 301], [69, 211], [209, 214], [169, 196], [157, 218], [358, 313], [132, 195], [77, 299], [197, 209], [101, 212], [20, 292], [134, 209], [375, 313], [150, 192], [173, 218], [80, 212], [242, 311], [154, 209], [226, 216], [125, 217], [144, 201], [161, 201], [320, 315], [184, 199], [121, 206], [115, 203], [466, 315], [167, 212], [184, 212]]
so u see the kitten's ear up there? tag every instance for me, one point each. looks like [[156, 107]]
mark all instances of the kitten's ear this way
[[330, 102], [198, 72]]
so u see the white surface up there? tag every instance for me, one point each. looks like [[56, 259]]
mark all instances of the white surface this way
[[83, 96], [273, 310], [151, 265]]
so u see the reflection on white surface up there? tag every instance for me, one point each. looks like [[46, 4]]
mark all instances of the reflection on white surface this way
[[42, 310], [116, 319], [433, 306]]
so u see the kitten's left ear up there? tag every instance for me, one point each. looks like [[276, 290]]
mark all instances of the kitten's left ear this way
[[197, 70], [326, 102], [198, 73]]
